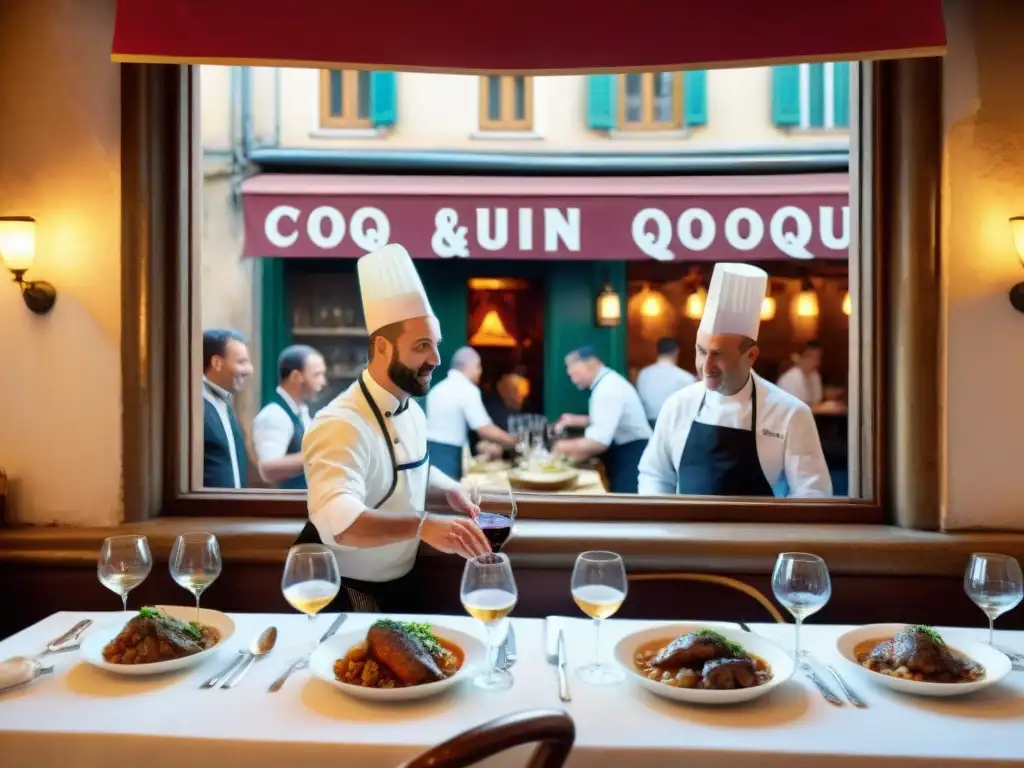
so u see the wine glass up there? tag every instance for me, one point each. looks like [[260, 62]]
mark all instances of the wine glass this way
[[599, 587], [311, 579], [489, 594], [995, 584], [124, 563], [801, 583], [195, 563]]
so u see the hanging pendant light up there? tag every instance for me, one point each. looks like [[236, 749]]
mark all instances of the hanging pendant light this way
[[608, 309], [492, 332], [694, 308], [807, 300]]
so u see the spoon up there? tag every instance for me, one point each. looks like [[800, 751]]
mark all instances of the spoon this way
[[260, 647]]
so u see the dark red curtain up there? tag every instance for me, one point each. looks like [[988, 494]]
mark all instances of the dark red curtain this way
[[540, 36]]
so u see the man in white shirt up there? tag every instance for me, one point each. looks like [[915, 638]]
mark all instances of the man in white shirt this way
[[454, 407], [366, 452], [278, 429], [226, 368], [733, 433], [803, 379], [615, 427], [660, 379]]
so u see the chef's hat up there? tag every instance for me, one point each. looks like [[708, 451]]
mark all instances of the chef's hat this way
[[391, 288], [734, 300]]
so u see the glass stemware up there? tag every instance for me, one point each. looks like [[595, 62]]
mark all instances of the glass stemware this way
[[195, 563], [489, 594], [599, 588], [995, 584], [311, 579], [801, 583], [125, 562]]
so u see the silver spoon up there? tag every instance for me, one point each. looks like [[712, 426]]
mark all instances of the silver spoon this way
[[260, 647]]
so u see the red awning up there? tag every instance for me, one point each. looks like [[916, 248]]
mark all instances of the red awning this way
[[541, 36], [685, 218]]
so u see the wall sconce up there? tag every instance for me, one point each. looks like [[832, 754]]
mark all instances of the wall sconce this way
[[609, 307], [1017, 292], [768, 308], [807, 300], [695, 302], [847, 304], [17, 251]]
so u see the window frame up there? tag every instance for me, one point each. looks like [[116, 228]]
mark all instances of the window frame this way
[[900, 159], [828, 99], [350, 93], [507, 122], [647, 104]]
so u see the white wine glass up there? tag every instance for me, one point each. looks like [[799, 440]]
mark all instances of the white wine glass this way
[[311, 579], [801, 583], [995, 584], [125, 562], [599, 588], [489, 594], [195, 563]]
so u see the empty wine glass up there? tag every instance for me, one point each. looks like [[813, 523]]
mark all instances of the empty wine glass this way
[[124, 563], [599, 588], [995, 584], [801, 583], [311, 579], [195, 563], [489, 594]]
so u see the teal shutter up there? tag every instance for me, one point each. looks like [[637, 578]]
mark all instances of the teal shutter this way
[[841, 94], [601, 90], [383, 98], [786, 96], [695, 98], [816, 88], [275, 322]]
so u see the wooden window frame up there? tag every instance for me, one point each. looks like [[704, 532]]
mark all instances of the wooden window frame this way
[[507, 122], [895, 173], [349, 118], [648, 123]]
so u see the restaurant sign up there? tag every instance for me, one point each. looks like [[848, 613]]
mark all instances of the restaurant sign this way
[[713, 228]]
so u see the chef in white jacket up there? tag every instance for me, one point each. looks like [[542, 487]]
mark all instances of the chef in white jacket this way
[[365, 453], [732, 433]]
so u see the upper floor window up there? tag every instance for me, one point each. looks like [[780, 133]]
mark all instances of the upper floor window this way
[[354, 99], [506, 103], [811, 96], [647, 101]]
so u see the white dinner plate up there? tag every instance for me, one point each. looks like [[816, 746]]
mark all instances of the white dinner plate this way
[[321, 664], [538, 478], [780, 661], [995, 664], [96, 638]]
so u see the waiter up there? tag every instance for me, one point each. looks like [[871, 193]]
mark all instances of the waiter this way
[[661, 378], [615, 427], [733, 433], [366, 452]]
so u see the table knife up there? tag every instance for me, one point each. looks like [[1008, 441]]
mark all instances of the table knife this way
[[510, 646], [67, 641], [563, 680], [830, 697], [303, 661]]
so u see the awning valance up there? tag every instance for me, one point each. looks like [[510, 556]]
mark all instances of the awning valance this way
[[540, 36]]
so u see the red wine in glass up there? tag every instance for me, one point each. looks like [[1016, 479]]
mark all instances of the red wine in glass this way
[[496, 528]]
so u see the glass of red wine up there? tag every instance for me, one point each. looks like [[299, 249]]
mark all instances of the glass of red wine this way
[[496, 527]]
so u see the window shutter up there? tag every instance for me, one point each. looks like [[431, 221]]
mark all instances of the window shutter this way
[[601, 91], [383, 98], [816, 88], [841, 94], [786, 96], [695, 98]]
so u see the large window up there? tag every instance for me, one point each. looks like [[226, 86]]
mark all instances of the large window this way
[[506, 103], [650, 101]]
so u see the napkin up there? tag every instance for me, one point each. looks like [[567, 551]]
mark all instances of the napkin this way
[[18, 671]]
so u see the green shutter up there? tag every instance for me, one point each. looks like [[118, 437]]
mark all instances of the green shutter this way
[[816, 95], [601, 91], [383, 98], [786, 96], [695, 98], [274, 324], [841, 94], [446, 282]]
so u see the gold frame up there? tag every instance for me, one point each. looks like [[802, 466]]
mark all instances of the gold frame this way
[[648, 123], [349, 117], [507, 121]]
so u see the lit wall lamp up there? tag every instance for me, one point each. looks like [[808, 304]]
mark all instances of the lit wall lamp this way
[[1017, 292], [807, 300], [609, 307], [17, 251]]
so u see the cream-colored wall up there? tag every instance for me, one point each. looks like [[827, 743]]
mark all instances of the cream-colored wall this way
[[60, 389]]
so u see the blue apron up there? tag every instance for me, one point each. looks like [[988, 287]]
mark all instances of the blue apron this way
[[298, 481], [722, 461], [622, 461]]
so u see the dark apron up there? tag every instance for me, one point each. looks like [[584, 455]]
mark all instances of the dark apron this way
[[295, 482], [622, 461], [400, 595], [447, 458], [722, 461]]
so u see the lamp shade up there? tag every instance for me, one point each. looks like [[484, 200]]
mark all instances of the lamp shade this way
[[806, 304], [609, 308], [17, 242], [768, 308], [695, 302]]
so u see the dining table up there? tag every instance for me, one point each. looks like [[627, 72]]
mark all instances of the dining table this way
[[84, 716]]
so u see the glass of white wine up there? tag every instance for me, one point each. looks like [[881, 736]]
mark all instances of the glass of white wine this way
[[195, 563], [125, 562], [599, 588], [801, 583], [995, 584], [311, 579], [489, 594]]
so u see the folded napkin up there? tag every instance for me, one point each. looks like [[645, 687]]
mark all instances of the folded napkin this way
[[18, 671]]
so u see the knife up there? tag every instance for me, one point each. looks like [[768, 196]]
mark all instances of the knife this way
[[303, 661], [563, 681], [510, 647]]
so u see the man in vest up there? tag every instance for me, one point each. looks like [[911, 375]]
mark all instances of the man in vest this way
[[278, 429], [226, 368]]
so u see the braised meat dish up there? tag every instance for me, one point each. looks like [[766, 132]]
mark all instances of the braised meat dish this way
[[399, 654], [702, 659], [917, 653], [153, 636]]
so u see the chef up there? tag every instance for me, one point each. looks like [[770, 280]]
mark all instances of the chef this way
[[615, 427], [732, 433], [366, 452]]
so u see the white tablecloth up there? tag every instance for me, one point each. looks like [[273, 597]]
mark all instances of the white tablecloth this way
[[82, 716]]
